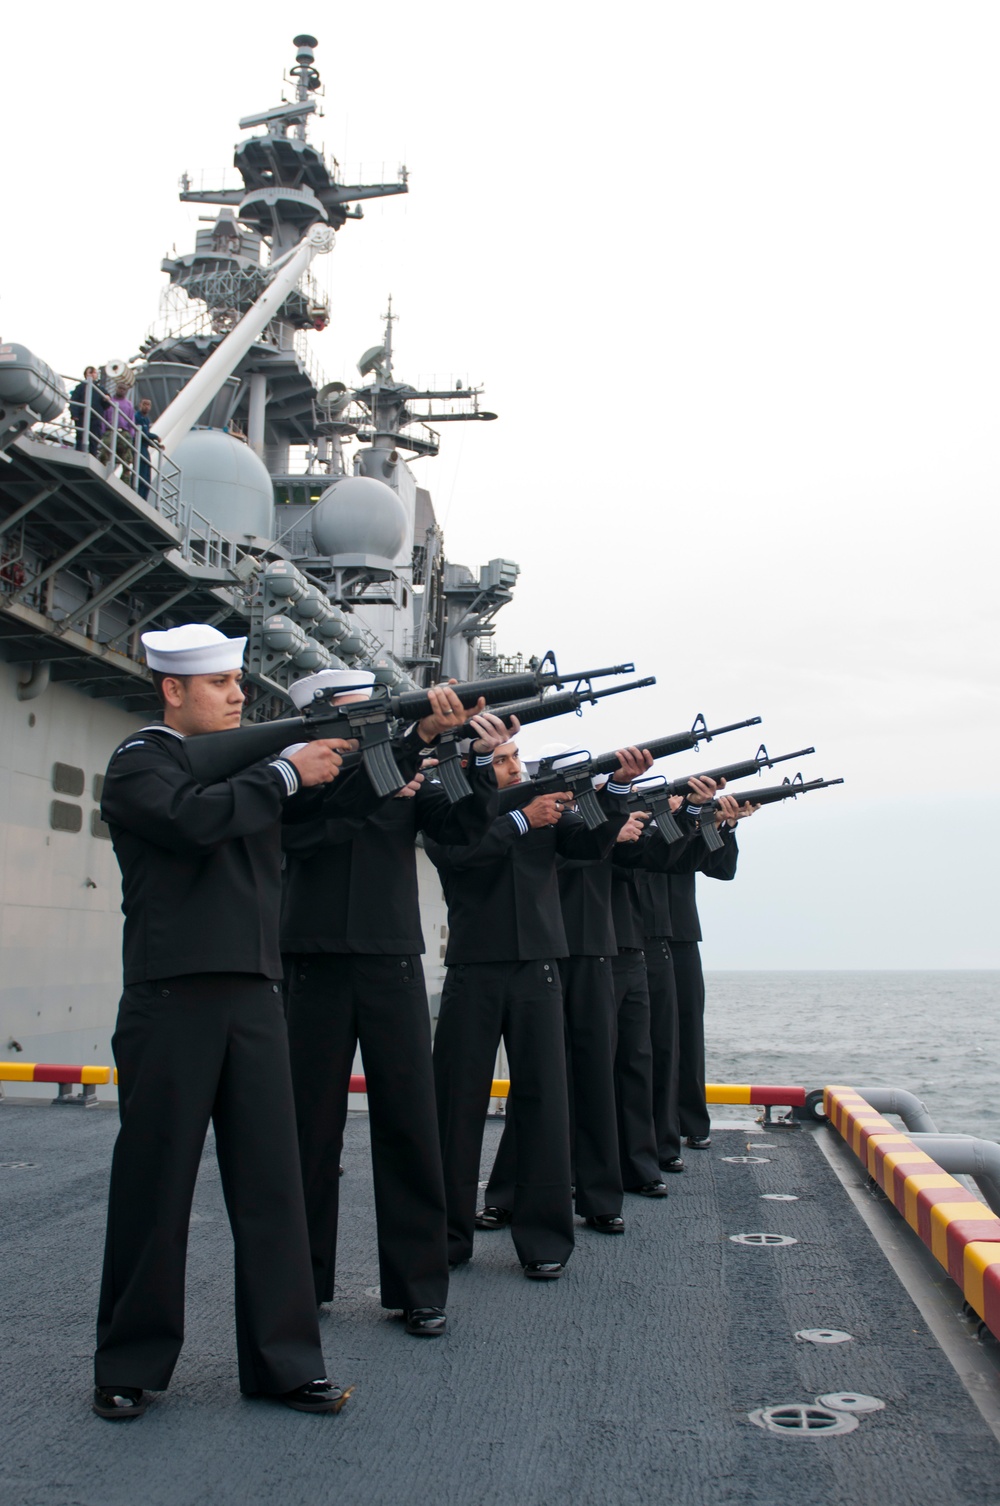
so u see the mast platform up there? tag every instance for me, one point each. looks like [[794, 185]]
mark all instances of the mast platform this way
[[629, 1381]]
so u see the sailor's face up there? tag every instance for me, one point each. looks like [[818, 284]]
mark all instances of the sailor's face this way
[[204, 703], [507, 765]]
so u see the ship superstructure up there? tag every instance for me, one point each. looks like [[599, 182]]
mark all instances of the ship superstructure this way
[[267, 501]]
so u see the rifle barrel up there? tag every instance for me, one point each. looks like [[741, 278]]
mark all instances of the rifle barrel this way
[[772, 793], [742, 770], [557, 703], [752, 721]]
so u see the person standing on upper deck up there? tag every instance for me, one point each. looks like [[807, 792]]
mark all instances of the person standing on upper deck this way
[[144, 424], [86, 407], [118, 429]]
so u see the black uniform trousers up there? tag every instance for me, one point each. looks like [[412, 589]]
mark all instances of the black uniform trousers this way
[[210, 1046], [522, 1003], [336, 1001], [692, 1108], [634, 1072], [664, 1035], [589, 1009]]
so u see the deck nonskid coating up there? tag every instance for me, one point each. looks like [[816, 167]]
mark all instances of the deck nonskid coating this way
[[628, 1381]]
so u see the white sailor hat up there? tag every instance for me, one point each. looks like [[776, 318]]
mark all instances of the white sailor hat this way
[[341, 681], [194, 649]]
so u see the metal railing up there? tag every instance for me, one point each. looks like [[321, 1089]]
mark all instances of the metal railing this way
[[98, 426], [203, 544]]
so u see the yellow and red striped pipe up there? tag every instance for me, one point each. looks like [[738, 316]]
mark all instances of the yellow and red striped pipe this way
[[755, 1093], [764, 1095], [761, 1094], [960, 1231], [53, 1072]]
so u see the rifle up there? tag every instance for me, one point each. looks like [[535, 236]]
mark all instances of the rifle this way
[[655, 794], [213, 756], [575, 771], [788, 789], [558, 703]]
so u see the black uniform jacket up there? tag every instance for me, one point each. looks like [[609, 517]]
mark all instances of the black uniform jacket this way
[[654, 888], [585, 893], [638, 865], [201, 864], [503, 895], [351, 883], [599, 898], [682, 902]]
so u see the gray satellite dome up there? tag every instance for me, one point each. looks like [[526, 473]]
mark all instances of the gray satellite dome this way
[[226, 482], [359, 521]]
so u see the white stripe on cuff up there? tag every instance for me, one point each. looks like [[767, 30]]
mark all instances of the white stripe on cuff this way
[[694, 810], [520, 820], [289, 774], [483, 760], [618, 789]]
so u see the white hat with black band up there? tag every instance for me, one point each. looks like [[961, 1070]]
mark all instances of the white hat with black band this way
[[341, 681], [194, 649]]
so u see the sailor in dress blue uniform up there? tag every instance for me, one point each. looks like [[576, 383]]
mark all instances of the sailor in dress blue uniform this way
[[201, 1037]]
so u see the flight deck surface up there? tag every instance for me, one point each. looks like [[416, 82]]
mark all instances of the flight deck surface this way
[[628, 1381]]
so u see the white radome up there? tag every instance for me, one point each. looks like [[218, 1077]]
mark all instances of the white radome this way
[[360, 520], [227, 483]]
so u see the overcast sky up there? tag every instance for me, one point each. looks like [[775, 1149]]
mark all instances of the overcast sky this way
[[728, 273]]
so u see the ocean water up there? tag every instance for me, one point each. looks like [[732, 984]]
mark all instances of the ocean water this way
[[934, 1033]]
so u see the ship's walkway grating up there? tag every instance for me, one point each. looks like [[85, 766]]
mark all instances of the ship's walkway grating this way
[[629, 1382]]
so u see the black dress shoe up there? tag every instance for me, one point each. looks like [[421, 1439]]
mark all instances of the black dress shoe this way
[[425, 1322], [543, 1270], [676, 1163], [119, 1404], [491, 1217], [316, 1396], [651, 1189], [453, 1265], [607, 1223], [698, 1142]]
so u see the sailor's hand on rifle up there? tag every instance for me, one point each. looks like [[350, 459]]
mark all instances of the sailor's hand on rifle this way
[[545, 810], [447, 712], [493, 732], [319, 761], [632, 830], [701, 791], [731, 811], [632, 764], [409, 790]]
